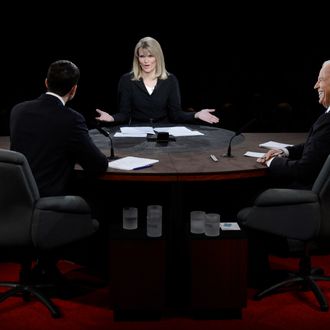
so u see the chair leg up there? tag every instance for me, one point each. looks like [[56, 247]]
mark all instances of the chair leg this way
[[276, 286], [27, 290], [308, 282], [318, 294], [12, 292], [50, 305]]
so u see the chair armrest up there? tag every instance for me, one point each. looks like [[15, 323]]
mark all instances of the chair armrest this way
[[68, 204], [285, 196]]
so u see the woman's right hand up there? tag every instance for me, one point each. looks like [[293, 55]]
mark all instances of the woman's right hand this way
[[104, 116]]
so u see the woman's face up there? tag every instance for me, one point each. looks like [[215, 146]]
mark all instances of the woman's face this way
[[146, 60]]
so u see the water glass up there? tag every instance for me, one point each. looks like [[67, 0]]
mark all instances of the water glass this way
[[212, 224], [197, 222], [154, 220], [130, 218]]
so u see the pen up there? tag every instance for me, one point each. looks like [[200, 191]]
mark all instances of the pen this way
[[215, 159]]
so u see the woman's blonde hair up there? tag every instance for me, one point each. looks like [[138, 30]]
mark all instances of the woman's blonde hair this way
[[153, 47]]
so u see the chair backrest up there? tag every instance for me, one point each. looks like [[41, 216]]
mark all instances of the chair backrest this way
[[322, 188], [18, 195]]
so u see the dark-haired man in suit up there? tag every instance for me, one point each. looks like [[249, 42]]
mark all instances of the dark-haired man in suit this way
[[54, 137]]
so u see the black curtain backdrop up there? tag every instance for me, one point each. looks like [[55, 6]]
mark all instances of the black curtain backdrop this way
[[243, 61]]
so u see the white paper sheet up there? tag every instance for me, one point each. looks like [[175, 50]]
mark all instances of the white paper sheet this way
[[274, 145], [178, 131], [137, 130], [229, 226], [132, 163], [254, 154], [119, 134], [142, 131]]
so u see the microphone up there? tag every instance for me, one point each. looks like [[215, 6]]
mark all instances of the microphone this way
[[245, 126], [107, 134]]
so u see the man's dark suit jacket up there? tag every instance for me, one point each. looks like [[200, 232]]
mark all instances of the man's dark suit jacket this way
[[54, 138], [305, 160]]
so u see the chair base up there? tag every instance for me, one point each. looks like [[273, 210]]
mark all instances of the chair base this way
[[27, 291], [304, 282]]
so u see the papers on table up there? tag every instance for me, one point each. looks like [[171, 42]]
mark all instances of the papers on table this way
[[132, 163], [254, 154], [142, 131], [119, 134], [229, 226], [267, 145], [178, 131], [139, 131], [274, 145]]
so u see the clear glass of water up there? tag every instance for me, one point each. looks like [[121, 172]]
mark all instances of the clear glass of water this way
[[197, 222], [130, 218], [154, 220], [212, 224]]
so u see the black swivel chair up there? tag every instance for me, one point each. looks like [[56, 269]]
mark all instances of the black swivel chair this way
[[302, 215], [30, 225]]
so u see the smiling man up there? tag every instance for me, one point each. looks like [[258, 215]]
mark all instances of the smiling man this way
[[299, 165]]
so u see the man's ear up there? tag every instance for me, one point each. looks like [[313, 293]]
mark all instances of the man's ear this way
[[72, 92], [74, 89]]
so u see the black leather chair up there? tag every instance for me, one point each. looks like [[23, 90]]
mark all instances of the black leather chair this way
[[30, 225], [302, 215]]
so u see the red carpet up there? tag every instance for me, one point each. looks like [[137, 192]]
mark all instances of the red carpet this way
[[92, 310]]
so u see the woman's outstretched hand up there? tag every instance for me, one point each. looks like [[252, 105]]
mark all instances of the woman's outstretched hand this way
[[104, 116], [206, 115]]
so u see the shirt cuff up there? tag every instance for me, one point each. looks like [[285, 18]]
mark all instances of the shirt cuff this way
[[284, 153], [269, 161]]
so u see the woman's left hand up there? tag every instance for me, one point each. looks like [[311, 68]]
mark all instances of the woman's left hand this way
[[207, 116]]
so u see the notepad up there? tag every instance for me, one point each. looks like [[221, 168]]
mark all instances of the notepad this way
[[178, 131], [132, 163], [274, 145], [254, 154], [229, 226]]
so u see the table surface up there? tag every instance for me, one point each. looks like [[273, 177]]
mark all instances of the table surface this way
[[188, 158]]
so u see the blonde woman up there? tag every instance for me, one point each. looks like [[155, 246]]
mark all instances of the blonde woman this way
[[150, 94]]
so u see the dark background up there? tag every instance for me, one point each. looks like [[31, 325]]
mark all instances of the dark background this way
[[243, 60]]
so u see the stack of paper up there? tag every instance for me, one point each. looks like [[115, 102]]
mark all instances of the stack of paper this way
[[142, 131], [178, 131], [132, 163], [138, 131], [274, 145], [254, 154]]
